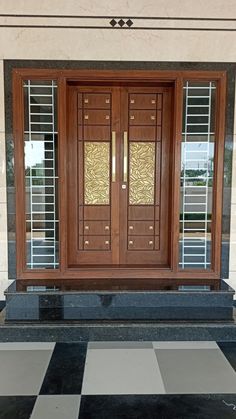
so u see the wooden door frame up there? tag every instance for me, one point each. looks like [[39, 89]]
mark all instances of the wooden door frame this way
[[210, 276]]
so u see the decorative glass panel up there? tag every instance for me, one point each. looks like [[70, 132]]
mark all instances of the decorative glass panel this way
[[197, 172], [41, 180], [141, 173], [96, 173]]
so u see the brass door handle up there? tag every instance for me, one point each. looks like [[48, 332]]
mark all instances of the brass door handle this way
[[125, 157], [113, 146]]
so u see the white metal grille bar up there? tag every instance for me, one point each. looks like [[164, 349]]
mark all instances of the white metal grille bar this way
[[198, 244], [199, 87], [46, 246]]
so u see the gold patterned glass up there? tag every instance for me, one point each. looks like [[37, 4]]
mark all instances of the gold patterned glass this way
[[96, 173], [141, 173]]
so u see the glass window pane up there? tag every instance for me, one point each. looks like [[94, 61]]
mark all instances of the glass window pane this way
[[41, 174], [197, 172]]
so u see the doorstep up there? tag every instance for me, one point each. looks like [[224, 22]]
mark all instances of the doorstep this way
[[58, 303]]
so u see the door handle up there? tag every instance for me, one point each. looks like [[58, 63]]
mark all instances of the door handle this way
[[125, 157], [113, 147]]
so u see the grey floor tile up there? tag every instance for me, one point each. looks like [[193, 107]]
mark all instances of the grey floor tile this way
[[56, 407], [22, 372], [27, 346], [122, 371], [190, 371], [185, 345], [120, 345]]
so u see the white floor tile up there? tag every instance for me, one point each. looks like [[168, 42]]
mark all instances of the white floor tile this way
[[56, 407], [22, 372], [122, 371], [120, 345]]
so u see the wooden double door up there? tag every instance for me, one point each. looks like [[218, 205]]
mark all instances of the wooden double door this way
[[118, 176]]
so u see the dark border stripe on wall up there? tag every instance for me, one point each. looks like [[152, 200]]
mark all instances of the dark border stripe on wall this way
[[226, 19], [120, 22]]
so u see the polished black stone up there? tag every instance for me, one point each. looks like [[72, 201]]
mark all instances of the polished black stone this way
[[66, 369], [57, 303], [50, 307], [229, 350], [2, 304], [209, 406], [16, 407]]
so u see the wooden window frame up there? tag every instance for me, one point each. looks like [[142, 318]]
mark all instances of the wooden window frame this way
[[163, 275]]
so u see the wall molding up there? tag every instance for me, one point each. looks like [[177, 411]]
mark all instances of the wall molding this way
[[157, 23]]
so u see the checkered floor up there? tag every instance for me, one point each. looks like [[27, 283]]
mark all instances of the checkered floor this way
[[114, 380]]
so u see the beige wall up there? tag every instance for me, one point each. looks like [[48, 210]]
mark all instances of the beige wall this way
[[200, 8], [103, 44]]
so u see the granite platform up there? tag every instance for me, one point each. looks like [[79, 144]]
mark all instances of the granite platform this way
[[58, 302]]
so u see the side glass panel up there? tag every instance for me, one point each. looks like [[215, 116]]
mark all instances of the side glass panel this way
[[41, 173], [197, 174]]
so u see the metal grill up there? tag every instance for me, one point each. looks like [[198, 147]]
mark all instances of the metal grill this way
[[41, 174], [197, 166]]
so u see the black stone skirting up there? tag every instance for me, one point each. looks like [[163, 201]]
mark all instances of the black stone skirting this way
[[58, 305], [117, 331]]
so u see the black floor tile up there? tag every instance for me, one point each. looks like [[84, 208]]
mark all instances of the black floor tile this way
[[16, 407], [229, 350], [158, 407], [66, 368]]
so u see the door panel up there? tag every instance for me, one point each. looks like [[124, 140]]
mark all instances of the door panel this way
[[97, 100], [94, 117], [140, 101], [142, 117], [140, 133], [145, 193], [118, 176], [92, 218]]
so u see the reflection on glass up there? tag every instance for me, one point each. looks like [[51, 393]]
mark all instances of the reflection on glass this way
[[197, 173], [41, 180]]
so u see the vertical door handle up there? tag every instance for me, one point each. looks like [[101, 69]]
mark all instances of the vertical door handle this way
[[113, 147], [125, 157]]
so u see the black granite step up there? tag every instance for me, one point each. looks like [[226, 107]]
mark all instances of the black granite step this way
[[66, 304], [117, 331]]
